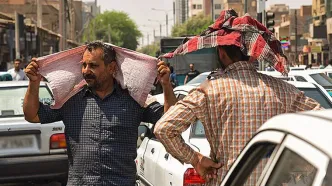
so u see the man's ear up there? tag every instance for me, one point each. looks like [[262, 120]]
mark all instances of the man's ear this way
[[112, 67]]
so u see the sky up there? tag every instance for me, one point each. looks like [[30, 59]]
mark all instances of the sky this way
[[141, 12]]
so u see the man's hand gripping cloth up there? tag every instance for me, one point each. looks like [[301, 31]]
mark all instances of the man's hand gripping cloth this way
[[136, 72], [254, 39]]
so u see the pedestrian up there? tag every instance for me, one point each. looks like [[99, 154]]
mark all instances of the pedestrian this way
[[173, 79], [101, 120], [191, 74], [17, 73], [234, 105], [330, 65]]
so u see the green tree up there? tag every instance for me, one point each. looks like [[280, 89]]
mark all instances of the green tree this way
[[193, 26], [122, 29], [151, 49]]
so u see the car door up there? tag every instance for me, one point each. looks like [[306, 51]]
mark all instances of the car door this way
[[253, 162], [150, 160], [297, 163]]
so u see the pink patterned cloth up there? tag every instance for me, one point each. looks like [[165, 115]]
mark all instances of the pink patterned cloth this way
[[136, 72]]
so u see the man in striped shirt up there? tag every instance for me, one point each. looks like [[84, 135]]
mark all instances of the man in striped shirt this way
[[231, 107]]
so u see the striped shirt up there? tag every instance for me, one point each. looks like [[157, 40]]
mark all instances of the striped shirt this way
[[231, 108]]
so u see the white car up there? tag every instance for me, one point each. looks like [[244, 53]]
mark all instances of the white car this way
[[314, 76], [156, 167], [29, 151], [320, 77], [288, 150]]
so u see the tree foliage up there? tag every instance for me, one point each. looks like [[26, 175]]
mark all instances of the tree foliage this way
[[193, 26], [151, 49], [122, 29]]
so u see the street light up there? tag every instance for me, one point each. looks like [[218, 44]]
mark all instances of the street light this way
[[166, 12], [148, 31], [159, 25]]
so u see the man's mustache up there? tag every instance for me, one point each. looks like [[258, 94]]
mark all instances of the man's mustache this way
[[89, 76]]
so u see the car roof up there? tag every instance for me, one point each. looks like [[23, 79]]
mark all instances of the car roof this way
[[299, 84], [306, 72], [186, 88], [16, 83], [205, 73], [312, 126]]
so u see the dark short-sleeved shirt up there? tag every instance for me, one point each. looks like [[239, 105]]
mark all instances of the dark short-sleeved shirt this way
[[101, 135], [192, 74]]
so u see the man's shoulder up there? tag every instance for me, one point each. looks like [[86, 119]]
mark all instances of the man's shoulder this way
[[10, 70]]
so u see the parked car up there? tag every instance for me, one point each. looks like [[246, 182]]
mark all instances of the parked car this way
[[157, 167], [314, 76], [29, 151], [289, 149]]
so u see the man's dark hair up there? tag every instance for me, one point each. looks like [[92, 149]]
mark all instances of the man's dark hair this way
[[330, 61], [235, 53], [171, 68], [108, 51], [19, 60]]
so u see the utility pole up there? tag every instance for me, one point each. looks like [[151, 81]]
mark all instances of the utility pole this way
[[62, 25], [109, 33], [154, 34], [17, 36], [173, 12], [160, 31], [296, 62], [212, 10], [245, 6], [166, 24], [261, 11], [148, 38], [261, 18], [39, 13]]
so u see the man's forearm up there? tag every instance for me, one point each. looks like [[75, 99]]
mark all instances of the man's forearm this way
[[31, 102], [169, 96]]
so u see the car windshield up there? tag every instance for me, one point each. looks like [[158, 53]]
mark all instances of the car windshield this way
[[11, 100], [323, 80], [329, 74], [317, 95], [198, 79], [314, 93]]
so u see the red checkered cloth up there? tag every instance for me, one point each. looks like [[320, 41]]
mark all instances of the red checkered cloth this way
[[254, 39]]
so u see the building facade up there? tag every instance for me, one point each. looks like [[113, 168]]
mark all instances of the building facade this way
[[181, 8]]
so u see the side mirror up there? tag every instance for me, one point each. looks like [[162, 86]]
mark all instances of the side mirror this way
[[143, 131]]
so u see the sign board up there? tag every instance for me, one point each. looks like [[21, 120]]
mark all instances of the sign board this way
[[316, 49]]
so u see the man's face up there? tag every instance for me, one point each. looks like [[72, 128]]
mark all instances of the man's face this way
[[94, 70], [17, 65], [191, 66]]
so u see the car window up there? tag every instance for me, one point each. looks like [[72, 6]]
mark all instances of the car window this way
[[198, 79], [181, 96], [300, 78], [317, 95], [252, 165], [323, 80], [328, 177], [330, 75], [292, 169], [11, 100], [198, 130]]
